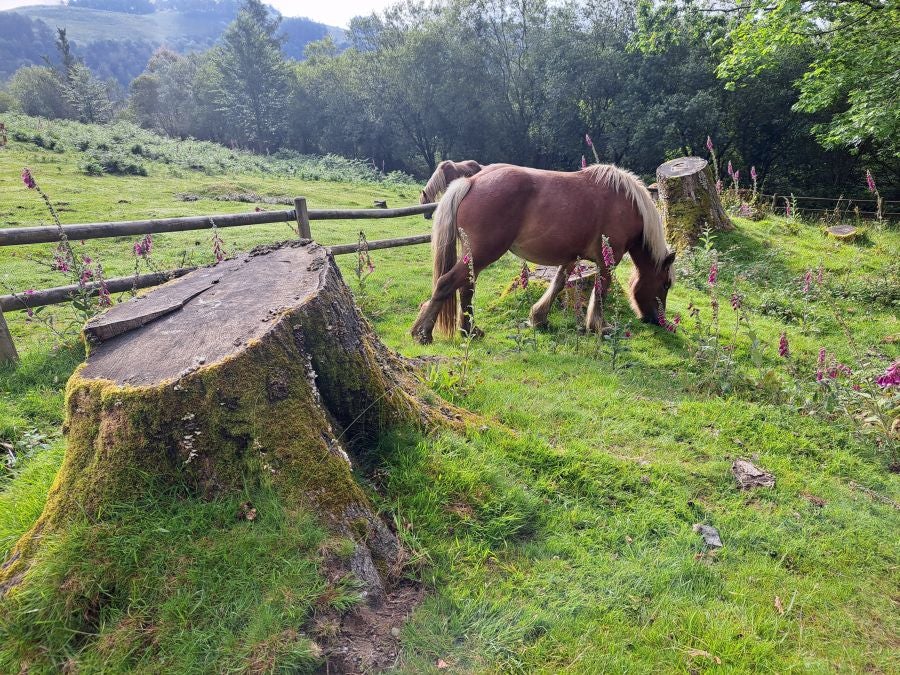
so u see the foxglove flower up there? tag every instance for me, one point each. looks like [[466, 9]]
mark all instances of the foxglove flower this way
[[588, 140], [28, 179], [870, 181], [730, 169], [709, 144], [807, 281], [713, 274], [609, 258], [583, 162], [784, 350], [753, 173], [890, 377]]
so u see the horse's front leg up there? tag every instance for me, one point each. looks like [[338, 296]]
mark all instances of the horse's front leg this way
[[594, 320], [539, 311], [444, 289]]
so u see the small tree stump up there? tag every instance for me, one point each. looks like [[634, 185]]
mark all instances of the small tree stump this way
[[258, 371], [687, 193]]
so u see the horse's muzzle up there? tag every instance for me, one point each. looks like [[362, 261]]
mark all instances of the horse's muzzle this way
[[651, 319]]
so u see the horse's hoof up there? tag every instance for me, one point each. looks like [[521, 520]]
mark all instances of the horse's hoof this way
[[476, 333]]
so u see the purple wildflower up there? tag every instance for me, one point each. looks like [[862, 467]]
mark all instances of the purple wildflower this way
[[671, 326], [753, 174], [890, 377], [144, 246], [820, 275], [28, 179], [730, 169], [709, 144], [609, 258], [807, 281], [583, 162], [588, 140], [784, 350], [870, 181], [713, 274], [736, 301], [523, 275], [467, 259], [737, 177], [719, 187]]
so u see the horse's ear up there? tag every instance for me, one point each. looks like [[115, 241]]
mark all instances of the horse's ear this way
[[669, 259]]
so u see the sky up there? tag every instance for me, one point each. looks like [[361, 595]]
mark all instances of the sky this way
[[332, 12]]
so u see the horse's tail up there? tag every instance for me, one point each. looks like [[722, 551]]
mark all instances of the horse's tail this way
[[444, 233]]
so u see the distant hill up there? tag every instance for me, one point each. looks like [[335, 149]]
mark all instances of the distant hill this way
[[119, 43]]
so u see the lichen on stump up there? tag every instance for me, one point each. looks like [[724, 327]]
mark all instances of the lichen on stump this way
[[689, 201], [256, 371]]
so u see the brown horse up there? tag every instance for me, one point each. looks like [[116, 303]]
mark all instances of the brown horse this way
[[549, 218], [445, 173]]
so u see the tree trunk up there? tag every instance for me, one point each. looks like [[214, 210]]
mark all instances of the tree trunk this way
[[257, 371], [687, 193]]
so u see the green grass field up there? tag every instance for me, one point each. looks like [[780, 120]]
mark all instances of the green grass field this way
[[555, 537]]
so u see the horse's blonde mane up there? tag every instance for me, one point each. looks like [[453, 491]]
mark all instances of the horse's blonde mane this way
[[437, 184], [625, 182]]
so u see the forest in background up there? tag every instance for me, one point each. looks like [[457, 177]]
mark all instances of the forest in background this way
[[805, 94]]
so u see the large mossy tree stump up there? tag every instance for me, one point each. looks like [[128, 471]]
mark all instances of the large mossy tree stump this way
[[257, 371], [689, 201]]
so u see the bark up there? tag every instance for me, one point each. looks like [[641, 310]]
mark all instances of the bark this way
[[687, 193], [257, 371]]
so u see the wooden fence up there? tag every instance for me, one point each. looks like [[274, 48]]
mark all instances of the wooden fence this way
[[300, 214]]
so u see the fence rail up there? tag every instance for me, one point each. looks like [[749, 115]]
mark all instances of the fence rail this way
[[19, 236]]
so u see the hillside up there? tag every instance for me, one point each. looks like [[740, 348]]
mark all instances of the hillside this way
[[555, 533], [118, 44]]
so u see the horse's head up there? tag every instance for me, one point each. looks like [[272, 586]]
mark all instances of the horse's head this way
[[649, 287], [423, 198]]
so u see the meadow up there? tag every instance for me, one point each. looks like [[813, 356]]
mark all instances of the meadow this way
[[558, 535]]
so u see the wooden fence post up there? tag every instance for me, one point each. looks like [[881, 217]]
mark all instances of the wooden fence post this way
[[8, 353], [302, 218]]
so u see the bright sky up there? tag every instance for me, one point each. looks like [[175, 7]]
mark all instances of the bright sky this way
[[332, 12]]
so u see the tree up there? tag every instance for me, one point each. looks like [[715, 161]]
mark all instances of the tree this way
[[88, 96], [37, 91], [252, 79], [163, 96], [853, 76]]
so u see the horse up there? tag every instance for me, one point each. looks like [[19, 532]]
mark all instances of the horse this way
[[548, 218], [445, 173]]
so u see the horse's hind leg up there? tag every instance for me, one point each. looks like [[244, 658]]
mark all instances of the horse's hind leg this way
[[448, 284], [540, 309], [467, 324]]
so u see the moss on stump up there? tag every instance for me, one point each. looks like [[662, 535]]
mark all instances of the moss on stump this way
[[256, 371], [689, 201]]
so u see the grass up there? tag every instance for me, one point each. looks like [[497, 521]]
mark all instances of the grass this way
[[556, 537]]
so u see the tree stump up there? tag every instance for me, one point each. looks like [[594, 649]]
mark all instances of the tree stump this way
[[258, 371], [687, 193]]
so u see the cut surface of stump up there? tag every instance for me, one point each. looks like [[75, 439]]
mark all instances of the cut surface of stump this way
[[687, 193], [258, 371], [843, 232]]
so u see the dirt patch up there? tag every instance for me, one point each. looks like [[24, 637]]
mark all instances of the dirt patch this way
[[367, 638]]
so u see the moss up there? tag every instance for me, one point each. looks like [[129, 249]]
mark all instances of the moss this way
[[685, 216]]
